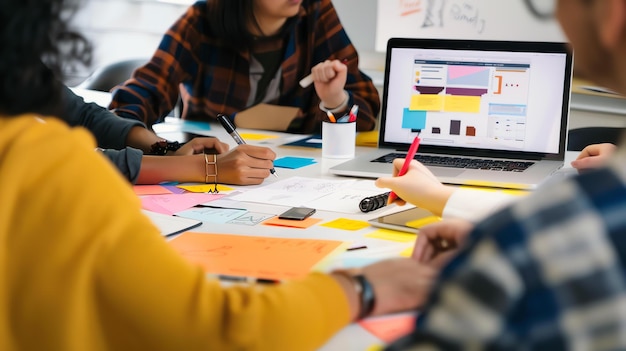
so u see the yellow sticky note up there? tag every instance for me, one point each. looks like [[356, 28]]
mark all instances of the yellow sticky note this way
[[407, 252], [367, 138], [346, 224], [392, 235], [418, 223], [515, 192], [204, 188], [256, 136]]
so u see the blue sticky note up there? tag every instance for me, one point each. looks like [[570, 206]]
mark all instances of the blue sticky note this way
[[413, 119], [293, 162], [191, 126]]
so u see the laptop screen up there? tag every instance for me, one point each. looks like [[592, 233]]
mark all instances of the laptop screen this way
[[477, 97]]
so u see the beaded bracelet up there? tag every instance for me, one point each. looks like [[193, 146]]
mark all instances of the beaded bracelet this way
[[161, 147]]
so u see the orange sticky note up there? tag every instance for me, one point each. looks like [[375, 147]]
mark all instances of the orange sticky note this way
[[307, 222], [150, 190], [389, 328], [255, 256]]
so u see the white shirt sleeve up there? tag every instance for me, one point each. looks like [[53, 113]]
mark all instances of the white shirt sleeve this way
[[475, 204]]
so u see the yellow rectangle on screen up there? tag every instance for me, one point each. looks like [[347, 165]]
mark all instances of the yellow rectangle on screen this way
[[456, 103]]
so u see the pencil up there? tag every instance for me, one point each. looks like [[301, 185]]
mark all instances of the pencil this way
[[407, 161]]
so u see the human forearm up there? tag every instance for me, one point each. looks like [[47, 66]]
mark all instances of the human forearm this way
[[157, 169], [141, 138]]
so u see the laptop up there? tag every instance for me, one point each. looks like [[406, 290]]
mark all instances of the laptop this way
[[488, 113]]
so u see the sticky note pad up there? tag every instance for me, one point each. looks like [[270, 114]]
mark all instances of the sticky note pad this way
[[392, 235]]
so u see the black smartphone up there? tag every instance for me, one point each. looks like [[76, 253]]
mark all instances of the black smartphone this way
[[297, 213]]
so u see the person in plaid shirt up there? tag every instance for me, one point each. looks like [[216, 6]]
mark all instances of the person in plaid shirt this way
[[546, 273], [223, 56]]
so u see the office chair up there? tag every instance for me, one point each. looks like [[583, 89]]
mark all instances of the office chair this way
[[107, 77], [578, 138]]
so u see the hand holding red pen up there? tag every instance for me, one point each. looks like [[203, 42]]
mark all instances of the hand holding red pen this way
[[405, 167], [418, 186]]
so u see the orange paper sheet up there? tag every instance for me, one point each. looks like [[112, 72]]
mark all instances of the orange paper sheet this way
[[253, 256], [389, 328]]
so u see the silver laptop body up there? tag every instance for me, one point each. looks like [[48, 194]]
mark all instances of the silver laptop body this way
[[491, 113]]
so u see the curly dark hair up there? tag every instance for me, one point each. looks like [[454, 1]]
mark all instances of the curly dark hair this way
[[36, 45]]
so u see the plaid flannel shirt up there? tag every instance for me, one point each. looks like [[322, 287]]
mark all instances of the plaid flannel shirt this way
[[545, 274], [215, 78]]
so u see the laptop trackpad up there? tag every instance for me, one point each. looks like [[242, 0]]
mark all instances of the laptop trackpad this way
[[445, 172]]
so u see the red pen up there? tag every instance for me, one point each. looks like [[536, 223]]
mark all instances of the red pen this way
[[407, 161]]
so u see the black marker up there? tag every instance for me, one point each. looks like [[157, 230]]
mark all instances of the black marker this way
[[232, 130], [372, 203]]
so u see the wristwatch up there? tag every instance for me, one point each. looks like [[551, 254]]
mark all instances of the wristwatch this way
[[161, 147]]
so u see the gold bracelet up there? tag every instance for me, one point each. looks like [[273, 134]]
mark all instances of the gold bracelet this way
[[206, 168]]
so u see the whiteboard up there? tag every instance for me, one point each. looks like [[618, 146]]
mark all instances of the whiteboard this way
[[461, 19]]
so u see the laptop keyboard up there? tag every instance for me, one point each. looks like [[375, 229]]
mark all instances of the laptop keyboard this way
[[461, 162]]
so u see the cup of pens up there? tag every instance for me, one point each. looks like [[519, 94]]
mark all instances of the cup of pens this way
[[339, 135]]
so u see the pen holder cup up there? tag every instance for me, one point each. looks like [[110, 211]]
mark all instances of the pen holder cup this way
[[338, 139]]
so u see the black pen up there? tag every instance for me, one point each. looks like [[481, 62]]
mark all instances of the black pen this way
[[232, 130]]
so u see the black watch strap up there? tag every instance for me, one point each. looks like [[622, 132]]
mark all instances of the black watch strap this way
[[367, 297]]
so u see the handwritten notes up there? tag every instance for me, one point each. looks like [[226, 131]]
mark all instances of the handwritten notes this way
[[293, 191], [212, 215], [172, 203], [251, 256]]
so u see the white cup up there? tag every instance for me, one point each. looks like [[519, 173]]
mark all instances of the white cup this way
[[338, 139]]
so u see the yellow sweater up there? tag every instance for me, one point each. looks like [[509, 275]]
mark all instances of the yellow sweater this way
[[82, 269]]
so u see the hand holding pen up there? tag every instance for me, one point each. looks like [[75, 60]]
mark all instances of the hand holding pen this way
[[232, 131], [405, 166], [330, 79]]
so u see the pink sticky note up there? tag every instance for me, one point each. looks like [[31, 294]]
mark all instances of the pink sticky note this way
[[390, 328], [172, 203]]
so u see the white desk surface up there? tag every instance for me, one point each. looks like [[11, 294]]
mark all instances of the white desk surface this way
[[353, 337]]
